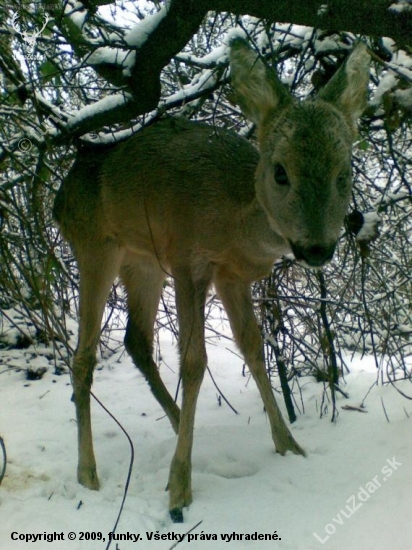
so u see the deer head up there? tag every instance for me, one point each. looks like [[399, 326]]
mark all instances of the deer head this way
[[303, 180]]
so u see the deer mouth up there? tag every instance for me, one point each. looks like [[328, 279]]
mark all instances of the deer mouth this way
[[313, 256]]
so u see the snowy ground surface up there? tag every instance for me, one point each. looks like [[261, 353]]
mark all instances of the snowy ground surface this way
[[353, 491]]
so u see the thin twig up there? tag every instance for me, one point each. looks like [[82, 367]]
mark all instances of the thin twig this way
[[187, 532], [384, 409], [220, 392], [3, 450]]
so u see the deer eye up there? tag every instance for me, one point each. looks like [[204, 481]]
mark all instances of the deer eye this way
[[280, 175], [342, 179]]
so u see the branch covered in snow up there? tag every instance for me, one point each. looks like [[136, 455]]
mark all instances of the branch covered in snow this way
[[133, 59]]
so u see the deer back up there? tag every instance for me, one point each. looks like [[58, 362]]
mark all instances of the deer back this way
[[177, 188]]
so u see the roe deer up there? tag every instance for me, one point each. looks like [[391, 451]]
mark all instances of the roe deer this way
[[201, 204]]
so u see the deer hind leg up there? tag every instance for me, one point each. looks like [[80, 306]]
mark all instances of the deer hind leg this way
[[190, 301], [143, 279], [237, 301], [98, 266]]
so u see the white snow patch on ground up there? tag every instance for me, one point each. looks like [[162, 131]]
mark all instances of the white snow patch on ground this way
[[240, 485]]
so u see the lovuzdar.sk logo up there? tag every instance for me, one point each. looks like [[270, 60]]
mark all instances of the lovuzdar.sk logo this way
[[28, 37]]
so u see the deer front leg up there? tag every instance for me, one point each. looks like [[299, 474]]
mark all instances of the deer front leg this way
[[281, 435], [236, 299], [190, 301], [180, 477]]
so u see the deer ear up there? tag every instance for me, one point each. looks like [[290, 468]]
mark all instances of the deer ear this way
[[258, 89], [348, 88]]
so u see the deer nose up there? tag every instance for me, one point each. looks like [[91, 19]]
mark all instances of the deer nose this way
[[315, 255]]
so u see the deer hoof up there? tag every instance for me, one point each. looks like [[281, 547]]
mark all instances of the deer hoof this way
[[89, 480], [176, 515]]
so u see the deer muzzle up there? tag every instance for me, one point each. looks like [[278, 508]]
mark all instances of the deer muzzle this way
[[315, 255]]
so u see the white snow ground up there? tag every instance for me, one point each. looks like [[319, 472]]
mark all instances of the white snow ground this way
[[352, 491]]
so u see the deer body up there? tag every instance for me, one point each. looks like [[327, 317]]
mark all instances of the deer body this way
[[202, 205], [183, 219]]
